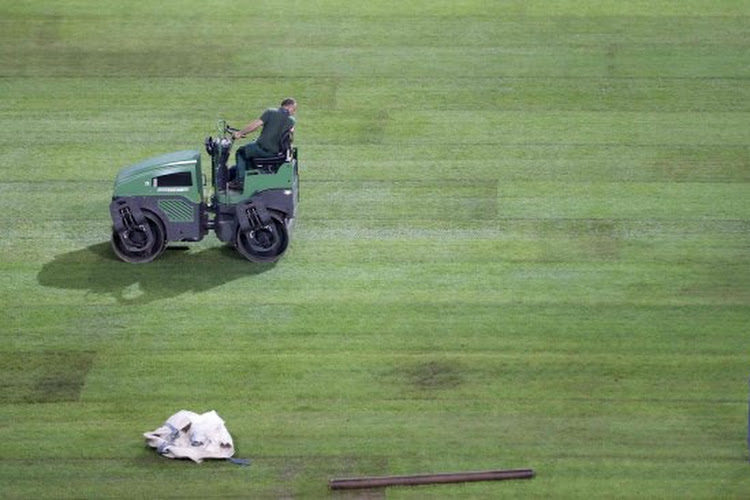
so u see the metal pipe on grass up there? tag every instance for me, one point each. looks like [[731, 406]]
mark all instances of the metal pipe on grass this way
[[421, 479]]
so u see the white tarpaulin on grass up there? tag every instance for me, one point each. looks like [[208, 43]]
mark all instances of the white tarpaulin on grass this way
[[190, 435]]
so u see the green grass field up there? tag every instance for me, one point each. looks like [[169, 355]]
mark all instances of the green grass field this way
[[523, 241]]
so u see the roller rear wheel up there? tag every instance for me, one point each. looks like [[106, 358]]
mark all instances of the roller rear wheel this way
[[266, 244]]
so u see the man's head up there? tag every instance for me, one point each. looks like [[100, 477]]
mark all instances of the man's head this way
[[290, 105]]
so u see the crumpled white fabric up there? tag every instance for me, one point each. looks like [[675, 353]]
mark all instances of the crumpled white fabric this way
[[190, 435]]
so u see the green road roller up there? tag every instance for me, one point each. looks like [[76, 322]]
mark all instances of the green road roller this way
[[162, 200]]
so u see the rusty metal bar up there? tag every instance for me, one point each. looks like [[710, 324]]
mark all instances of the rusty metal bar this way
[[458, 477]]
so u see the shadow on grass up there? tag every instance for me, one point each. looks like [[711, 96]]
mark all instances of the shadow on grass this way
[[95, 269]]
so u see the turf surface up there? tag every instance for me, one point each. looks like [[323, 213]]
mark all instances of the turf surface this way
[[523, 241]]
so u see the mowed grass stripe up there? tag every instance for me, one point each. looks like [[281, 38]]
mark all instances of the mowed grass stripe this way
[[512, 159], [252, 380], [591, 47], [139, 375], [659, 146], [576, 93], [355, 29], [392, 10], [536, 273], [327, 242]]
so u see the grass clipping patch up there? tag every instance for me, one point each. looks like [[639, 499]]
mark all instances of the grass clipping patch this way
[[44, 377]]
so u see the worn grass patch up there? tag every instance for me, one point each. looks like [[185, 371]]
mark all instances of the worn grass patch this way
[[44, 377], [427, 376]]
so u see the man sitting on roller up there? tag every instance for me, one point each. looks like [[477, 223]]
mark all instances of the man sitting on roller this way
[[275, 123]]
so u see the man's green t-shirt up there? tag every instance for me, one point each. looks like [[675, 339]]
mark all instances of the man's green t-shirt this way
[[275, 123]]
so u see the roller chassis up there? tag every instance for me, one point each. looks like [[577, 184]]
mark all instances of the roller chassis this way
[[162, 200]]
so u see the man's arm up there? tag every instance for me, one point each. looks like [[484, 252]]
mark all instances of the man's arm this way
[[249, 128]]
